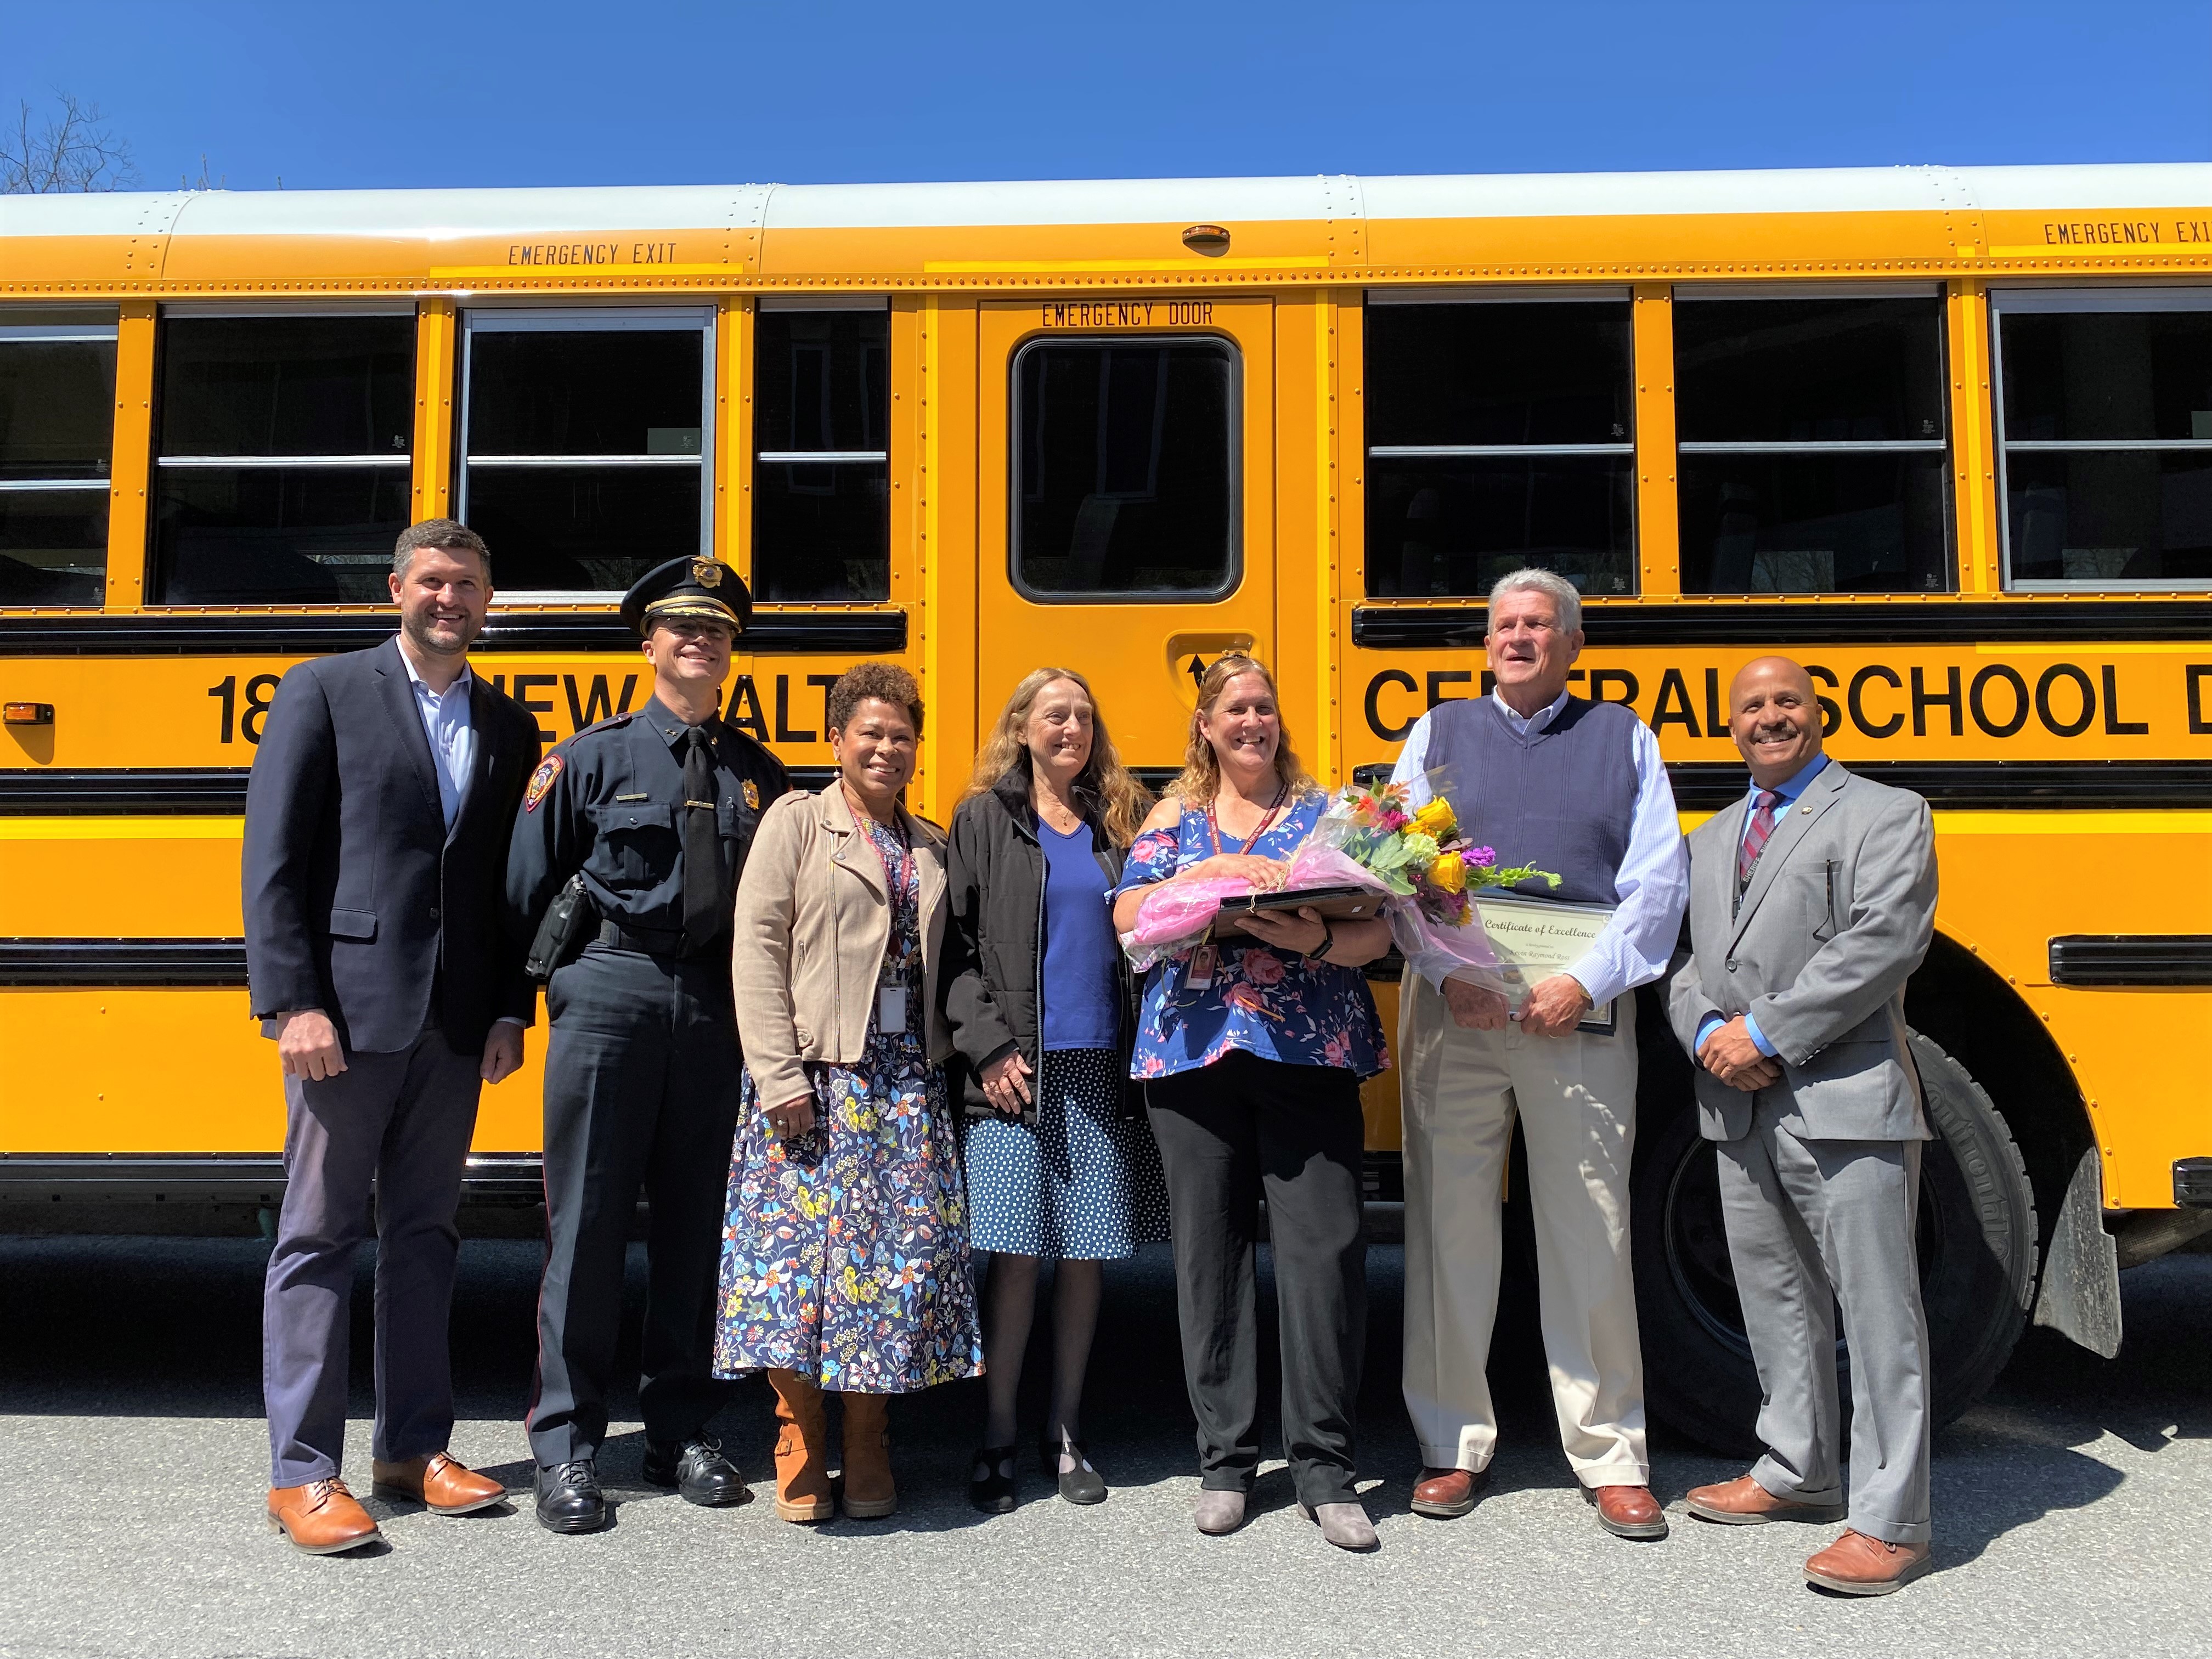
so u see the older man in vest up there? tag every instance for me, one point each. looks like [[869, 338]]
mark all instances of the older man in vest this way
[[1576, 788]]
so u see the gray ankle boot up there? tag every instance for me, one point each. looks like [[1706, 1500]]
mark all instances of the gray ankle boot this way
[[1219, 1512], [1345, 1525]]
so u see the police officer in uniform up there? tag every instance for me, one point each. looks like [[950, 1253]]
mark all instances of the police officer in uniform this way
[[653, 810]]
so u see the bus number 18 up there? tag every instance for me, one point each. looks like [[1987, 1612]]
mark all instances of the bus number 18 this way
[[258, 692]]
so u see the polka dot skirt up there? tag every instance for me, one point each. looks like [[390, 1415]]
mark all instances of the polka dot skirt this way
[[1083, 1184]]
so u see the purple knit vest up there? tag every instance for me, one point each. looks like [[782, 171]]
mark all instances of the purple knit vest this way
[[1562, 798]]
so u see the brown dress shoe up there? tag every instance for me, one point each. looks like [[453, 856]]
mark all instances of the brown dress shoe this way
[[1743, 1502], [1627, 1511], [321, 1518], [440, 1481], [1856, 1565], [1446, 1494]]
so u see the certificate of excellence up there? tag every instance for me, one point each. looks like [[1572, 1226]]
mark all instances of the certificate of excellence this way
[[1537, 937]]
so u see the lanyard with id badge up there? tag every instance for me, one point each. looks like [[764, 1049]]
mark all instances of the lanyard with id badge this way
[[892, 974], [1207, 956]]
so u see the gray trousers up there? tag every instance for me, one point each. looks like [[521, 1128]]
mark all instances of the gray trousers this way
[[1812, 1224], [400, 1123]]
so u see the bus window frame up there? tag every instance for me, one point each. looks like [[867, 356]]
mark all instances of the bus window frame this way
[[1233, 574], [1947, 445], [787, 304], [588, 320], [87, 332], [1473, 294], [2076, 299]]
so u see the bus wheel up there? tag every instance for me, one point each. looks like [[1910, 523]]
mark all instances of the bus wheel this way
[[1977, 1245]]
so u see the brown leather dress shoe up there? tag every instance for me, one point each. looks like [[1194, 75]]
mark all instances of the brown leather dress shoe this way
[[1446, 1494], [1856, 1565], [1627, 1511], [441, 1482], [1743, 1502], [321, 1518]]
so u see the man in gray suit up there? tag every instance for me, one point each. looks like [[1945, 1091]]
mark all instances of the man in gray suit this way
[[1810, 906]]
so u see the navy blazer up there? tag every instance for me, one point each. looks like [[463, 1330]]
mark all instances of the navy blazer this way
[[357, 899]]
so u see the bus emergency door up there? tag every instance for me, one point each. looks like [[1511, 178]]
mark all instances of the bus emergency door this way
[[1126, 508]]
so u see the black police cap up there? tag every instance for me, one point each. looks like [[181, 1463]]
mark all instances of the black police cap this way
[[704, 588]]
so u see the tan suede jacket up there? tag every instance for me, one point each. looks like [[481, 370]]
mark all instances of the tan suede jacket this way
[[813, 920]]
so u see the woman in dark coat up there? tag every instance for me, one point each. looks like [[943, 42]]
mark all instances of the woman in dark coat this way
[[1059, 1164]]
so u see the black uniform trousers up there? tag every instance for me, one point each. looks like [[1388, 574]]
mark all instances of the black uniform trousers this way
[[1227, 1132], [642, 1081]]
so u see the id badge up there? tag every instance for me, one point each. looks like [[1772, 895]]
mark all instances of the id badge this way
[[1202, 962], [891, 1008]]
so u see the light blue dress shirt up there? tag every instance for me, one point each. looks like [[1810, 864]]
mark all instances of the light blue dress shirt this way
[[1653, 881], [1790, 789], [453, 738]]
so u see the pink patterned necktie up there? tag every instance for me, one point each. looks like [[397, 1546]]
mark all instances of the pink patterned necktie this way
[[1754, 836]]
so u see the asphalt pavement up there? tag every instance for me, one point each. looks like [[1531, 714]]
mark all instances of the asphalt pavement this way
[[2070, 1509]]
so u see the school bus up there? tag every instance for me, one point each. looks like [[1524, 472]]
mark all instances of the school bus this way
[[1945, 435]]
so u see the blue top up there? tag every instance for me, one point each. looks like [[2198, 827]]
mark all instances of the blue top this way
[[1080, 971], [1790, 789], [1276, 1006]]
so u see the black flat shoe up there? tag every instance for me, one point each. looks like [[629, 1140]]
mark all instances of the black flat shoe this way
[[992, 1491], [1080, 1485], [569, 1498], [698, 1471]]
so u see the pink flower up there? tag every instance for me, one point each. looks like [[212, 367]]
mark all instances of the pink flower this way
[[1263, 968], [1247, 997], [1482, 855], [1337, 1051]]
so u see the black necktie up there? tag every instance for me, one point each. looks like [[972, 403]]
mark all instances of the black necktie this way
[[706, 900]]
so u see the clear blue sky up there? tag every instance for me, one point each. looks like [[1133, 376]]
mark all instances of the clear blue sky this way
[[332, 95]]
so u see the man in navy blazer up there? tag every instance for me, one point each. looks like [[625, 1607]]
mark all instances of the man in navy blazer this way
[[377, 819]]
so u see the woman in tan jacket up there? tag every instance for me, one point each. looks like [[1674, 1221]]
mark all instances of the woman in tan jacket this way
[[845, 1245]]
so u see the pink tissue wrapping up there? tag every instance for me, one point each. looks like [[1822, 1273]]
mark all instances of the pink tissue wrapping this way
[[1174, 916], [1463, 945]]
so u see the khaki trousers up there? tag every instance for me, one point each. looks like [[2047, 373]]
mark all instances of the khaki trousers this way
[[1576, 1098]]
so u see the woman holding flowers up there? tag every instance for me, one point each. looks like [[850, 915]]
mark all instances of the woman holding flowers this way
[[1252, 1048]]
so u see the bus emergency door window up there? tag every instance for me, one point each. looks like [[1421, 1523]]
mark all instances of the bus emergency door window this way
[[57, 424], [1815, 446], [822, 522], [585, 436], [282, 456], [2106, 410], [1500, 435], [1125, 469]]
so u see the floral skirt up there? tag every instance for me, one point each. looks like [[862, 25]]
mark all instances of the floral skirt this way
[[844, 1251]]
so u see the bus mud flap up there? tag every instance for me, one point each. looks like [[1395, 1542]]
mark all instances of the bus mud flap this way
[[2080, 1295]]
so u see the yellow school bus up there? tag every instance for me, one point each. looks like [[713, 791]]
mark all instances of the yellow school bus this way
[[1945, 435]]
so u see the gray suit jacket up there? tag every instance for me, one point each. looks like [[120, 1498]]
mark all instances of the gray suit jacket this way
[[1839, 913]]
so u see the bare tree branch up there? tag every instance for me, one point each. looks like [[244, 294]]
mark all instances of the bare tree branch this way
[[70, 147]]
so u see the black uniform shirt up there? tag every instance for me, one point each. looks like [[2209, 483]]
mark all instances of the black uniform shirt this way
[[610, 803]]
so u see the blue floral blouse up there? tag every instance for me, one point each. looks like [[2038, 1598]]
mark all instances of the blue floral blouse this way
[[1277, 1006]]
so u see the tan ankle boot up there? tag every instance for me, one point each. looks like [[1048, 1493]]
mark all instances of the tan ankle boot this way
[[869, 1493], [802, 1450]]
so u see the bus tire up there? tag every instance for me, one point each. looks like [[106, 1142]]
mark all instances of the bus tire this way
[[1977, 1257]]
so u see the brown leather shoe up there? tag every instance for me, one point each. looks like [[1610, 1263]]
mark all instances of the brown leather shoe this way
[[321, 1518], [1856, 1565], [1743, 1502], [1627, 1511], [441, 1482], [1446, 1494]]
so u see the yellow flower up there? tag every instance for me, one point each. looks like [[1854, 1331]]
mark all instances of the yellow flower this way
[[1435, 819], [1449, 873]]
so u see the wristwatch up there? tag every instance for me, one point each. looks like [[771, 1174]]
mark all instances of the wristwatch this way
[[1327, 942]]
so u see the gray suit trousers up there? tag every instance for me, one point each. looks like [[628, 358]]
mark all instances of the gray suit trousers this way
[[400, 1124], [1812, 1224]]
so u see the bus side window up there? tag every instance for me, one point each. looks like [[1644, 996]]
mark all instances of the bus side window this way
[[2105, 418], [57, 426], [1500, 433], [1814, 449], [281, 454], [821, 450], [1125, 468], [585, 434]]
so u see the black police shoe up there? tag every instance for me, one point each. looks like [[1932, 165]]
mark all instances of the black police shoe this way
[[698, 1471], [569, 1498]]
